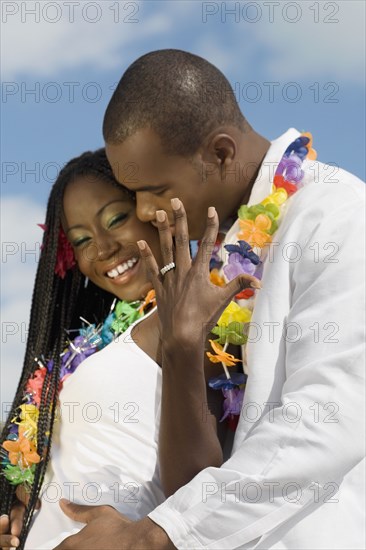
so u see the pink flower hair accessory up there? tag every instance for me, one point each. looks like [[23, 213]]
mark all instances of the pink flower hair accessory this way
[[65, 258]]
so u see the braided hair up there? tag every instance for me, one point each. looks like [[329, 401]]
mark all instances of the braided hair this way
[[56, 307]]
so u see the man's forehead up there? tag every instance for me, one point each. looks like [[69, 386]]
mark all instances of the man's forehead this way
[[144, 144], [139, 158]]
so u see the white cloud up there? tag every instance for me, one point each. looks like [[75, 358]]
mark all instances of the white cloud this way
[[42, 48], [288, 40], [20, 236], [325, 38], [328, 40]]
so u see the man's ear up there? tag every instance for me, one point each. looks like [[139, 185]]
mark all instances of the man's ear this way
[[218, 153], [219, 148]]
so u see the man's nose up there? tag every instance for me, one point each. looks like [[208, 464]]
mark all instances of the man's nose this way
[[146, 206]]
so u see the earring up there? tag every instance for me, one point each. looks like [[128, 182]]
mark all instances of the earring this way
[[86, 282]]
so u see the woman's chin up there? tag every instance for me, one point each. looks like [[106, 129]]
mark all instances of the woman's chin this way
[[135, 291], [129, 284]]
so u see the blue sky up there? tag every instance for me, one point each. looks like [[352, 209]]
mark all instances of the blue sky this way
[[295, 64]]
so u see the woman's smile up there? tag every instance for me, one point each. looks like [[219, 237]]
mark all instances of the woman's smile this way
[[122, 272], [102, 226]]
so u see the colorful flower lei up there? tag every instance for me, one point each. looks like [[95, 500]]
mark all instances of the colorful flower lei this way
[[257, 225], [19, 451]]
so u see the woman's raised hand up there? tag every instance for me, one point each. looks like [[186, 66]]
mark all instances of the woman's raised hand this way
[[188, 303]]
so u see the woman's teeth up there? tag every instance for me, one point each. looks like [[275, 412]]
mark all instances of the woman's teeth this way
[[119, 269]]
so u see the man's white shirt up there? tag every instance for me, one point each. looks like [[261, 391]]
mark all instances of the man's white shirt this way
[[295, 478]]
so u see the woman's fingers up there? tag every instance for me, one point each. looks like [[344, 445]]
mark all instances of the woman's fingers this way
[[165, 236], [16, 518], [4, 524], [7, 540], [182, 252], [208, 240], [241, 282], [151, 266]]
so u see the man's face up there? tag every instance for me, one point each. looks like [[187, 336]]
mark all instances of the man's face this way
[[140, 164]]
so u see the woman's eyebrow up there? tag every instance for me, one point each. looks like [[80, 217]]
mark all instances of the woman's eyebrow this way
[[100, 211]]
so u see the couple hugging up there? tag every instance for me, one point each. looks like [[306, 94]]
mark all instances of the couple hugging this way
[[206, 403]]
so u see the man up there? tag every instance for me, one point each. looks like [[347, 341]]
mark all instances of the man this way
[[174, 129]]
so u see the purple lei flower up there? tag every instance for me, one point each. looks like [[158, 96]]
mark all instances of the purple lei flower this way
[[238, 265], [244, 249], [216, 261], [290, 168], [222, 383], [242, 259], [50, 365], [259, 271], [233, 402], [79, 350], [13, 431], [215, 253]]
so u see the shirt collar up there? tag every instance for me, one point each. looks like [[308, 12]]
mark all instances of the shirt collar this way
[[263, 184]]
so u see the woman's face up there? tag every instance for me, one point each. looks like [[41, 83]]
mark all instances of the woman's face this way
[[101, 224]]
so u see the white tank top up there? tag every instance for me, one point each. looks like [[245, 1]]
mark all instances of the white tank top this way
[[105, 446]]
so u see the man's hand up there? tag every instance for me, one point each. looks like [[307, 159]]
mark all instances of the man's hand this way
[[107, 529]]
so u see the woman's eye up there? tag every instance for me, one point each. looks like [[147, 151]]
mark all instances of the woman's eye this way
[[79, 242], [116, 219]]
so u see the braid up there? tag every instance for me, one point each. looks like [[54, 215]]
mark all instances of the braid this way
[[56, 307]]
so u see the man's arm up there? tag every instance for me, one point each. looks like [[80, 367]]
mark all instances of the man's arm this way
[[187, 303], [188, 440], [251, 494], [290, 458]]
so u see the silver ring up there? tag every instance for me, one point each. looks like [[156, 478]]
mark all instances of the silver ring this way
[[167, 268]]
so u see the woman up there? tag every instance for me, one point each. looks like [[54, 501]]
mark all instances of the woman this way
[[110, 405]]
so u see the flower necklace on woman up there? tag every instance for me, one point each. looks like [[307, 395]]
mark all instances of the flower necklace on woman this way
[[19, 451]]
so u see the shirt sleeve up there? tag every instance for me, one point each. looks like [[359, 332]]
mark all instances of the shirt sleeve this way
[[301, 449]]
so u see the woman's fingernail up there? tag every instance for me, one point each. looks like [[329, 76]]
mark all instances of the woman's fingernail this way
[[160, 215], [256, 284], [211, 211], [175, 204], [141, 245]]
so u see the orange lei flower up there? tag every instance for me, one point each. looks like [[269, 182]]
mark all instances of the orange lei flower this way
[[22, 451], [254, 231], [221, 356], [150, 299]]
